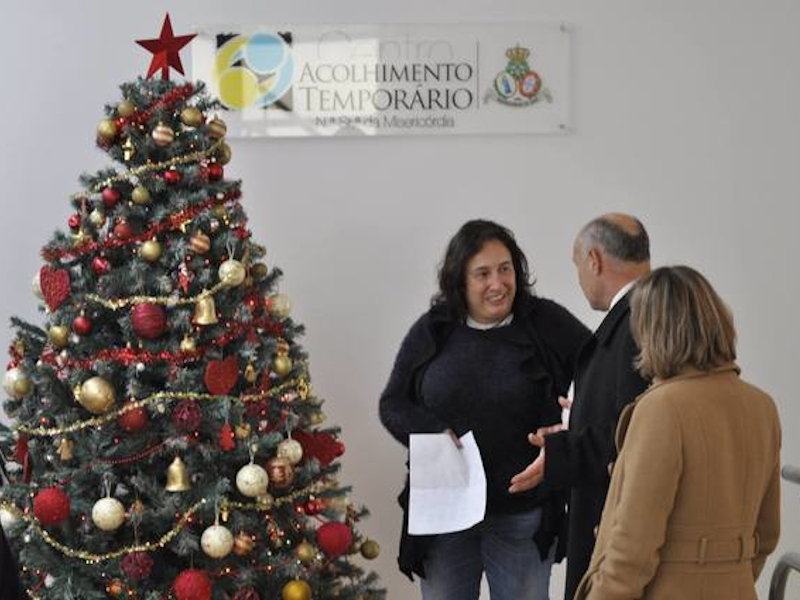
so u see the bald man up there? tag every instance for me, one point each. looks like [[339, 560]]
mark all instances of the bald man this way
[[610, 253]]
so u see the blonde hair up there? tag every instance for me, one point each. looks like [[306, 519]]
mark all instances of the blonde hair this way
[[680, 322]]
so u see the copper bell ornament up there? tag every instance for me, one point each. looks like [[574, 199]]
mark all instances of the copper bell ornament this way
[[177, 477], [205, 311]]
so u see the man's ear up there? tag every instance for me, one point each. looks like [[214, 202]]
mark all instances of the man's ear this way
[[595, 261]]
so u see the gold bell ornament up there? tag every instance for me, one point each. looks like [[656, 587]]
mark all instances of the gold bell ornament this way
[[177, 476], [65, 449], [205, 311]]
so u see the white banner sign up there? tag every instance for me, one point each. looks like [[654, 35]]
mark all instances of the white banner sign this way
[[302, 80]]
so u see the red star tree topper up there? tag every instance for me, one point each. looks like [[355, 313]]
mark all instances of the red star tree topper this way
[[165, 50]]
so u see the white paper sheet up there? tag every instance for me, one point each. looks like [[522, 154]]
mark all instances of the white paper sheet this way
[[448, 484]]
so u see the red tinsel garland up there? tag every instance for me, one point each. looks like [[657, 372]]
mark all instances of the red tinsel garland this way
[[173, 96], [171, 223], [129, 356]]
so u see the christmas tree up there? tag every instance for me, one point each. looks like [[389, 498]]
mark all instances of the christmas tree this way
[[167, 442]]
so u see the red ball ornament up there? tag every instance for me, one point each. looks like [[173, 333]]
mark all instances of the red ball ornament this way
[[187, 416], [120, 122], [215, 172], [173, 176], [192, 584], [137, 565], [82, 325], [334, 538], [101, 265], [110, 197], [123, 230], [134, 419], [74, 221], [148, 320], [51, 506]]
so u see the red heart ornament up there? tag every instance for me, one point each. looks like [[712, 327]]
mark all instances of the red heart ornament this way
[[221, 375], [55, 286], [320, 445]]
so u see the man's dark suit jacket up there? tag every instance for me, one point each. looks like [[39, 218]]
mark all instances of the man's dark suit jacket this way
[[605, 382]]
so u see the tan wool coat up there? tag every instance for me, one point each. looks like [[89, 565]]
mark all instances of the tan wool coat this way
[[693, 508]]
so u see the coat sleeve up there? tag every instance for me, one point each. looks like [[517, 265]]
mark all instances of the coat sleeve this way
[[580, 457], [768, 525], [401, 411], [643, 489]]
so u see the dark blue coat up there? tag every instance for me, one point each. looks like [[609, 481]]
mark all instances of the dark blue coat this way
[[556, 337]]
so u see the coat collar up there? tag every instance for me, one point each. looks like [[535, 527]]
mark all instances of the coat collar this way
[[627, 413], [617, 313]]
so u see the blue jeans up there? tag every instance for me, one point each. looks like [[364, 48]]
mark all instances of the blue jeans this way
[[503, 547]]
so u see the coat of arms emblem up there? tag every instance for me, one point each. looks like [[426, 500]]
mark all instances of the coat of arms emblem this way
[[518, 84]]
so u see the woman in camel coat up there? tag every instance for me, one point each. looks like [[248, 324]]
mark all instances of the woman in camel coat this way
[[694, 504]]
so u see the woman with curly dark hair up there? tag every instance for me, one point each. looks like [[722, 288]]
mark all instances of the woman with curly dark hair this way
[[492, 358]]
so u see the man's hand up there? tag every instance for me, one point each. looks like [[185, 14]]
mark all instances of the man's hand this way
[[533, 474], [530, 477]]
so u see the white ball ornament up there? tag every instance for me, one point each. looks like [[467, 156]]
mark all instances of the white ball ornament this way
[[217, 541], [280, 305], [108, 514], [7, 519], [16, 383], [36, 287], [291, 450], [252, 480], [232, 273]]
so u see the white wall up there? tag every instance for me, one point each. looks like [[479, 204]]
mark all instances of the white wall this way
[[685, 113]]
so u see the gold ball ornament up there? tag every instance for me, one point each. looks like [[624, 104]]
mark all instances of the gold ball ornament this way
[[258, 270], [291, 450], [232, 273], [296, 590], [97, 217], [150, 251], [108, 514], [58, 336], [188, 344], [163, 135], [305, 553], [107, 130], [252, 480], [250, 373], [115, 588], [96, 395], [282, 364], [191, 116], [200, 243], [281, 473], [217, 541], [317, 418], [125, 108], [217, 128], [8, 519], [280, 305], [140, 195], [224, 154], [370, 549], [16, 383], [243, 544]]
